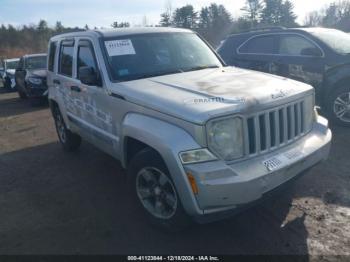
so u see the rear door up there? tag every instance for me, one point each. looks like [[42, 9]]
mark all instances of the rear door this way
[[258, 53], [65, 82]]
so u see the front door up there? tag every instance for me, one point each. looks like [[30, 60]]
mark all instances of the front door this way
[[300, 59], [95, 110], [258, 53]]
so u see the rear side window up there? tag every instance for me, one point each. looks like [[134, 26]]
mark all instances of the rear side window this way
[[259, 45], [86, 56], [52, 52], [295, 45], [66, 59]]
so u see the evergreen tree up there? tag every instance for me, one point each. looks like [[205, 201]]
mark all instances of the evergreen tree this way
[[214, 23], [185, 17], [59, 28], [278, 13], [253, 10], [165, 19], [120, 25], [288, 16]]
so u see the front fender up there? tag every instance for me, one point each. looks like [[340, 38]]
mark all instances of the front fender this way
[[168, 140]]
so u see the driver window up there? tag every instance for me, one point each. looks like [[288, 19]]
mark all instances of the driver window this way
[[86, 56], [296, 45]]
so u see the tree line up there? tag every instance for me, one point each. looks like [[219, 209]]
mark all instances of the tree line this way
[[27, 39], [213, 22]]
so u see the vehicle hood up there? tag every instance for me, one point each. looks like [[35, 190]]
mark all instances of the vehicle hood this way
[[36, 73], [201, 95]]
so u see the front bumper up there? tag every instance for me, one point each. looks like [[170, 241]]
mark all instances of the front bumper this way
[[37, 90], [224, 187]]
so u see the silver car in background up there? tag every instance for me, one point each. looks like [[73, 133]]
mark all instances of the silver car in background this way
[[8, 76], [200, 140]]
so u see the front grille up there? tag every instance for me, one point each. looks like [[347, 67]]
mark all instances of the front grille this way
[[275, 128]]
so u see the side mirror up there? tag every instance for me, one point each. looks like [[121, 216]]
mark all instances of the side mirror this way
[[89, 76], [311, 52]]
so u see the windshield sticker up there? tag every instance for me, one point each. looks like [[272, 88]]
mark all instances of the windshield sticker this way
[[120, 47]]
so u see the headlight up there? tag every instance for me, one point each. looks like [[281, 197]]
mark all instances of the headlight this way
[[196, 156], [309, 114], [225, 137], [35, 81]]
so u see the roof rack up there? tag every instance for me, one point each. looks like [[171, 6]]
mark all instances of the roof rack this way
[[271, 28]]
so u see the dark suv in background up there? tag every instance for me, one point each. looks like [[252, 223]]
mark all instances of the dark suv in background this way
[[31, 77], [317, 56]]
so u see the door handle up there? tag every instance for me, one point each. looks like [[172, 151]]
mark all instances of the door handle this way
[[75, 89], [56, 81]]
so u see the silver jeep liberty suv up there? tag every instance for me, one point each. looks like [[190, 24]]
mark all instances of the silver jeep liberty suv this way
[[200, 140]]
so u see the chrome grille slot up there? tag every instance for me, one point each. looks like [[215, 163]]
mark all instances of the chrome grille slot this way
[[262, 123], [289, 123], [251, 135], [275, 128]]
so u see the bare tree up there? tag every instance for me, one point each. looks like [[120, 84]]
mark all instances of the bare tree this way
[[313, 19], [166, 15], [144, 21]]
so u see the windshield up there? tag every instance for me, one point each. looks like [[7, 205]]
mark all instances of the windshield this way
[[12, 64], [142, 56], [335, 39], [36, 62]]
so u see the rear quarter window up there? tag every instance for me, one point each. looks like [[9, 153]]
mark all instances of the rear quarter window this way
[[295, 45]]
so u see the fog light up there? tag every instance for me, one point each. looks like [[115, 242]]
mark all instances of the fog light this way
[[196, 156]]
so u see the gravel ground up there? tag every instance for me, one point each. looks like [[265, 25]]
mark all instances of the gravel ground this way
[[52, 202]]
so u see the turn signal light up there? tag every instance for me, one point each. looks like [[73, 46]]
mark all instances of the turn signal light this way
[[193, 183]]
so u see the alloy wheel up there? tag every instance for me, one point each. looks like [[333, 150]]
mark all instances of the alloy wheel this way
[[156, 192], [61, 129], [341, 107]]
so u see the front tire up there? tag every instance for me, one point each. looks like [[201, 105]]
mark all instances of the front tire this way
[[7, 84], [69, 141], [154, 192], [22, 95], [339, 106]]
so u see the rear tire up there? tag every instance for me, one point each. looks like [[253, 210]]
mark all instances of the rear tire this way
[[339, 106], [154, 192], [69, 141]]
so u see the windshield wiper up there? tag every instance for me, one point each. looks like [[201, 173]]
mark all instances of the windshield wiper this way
[[196, 68]]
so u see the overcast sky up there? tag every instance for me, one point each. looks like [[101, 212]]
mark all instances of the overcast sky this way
[[103, 12]]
